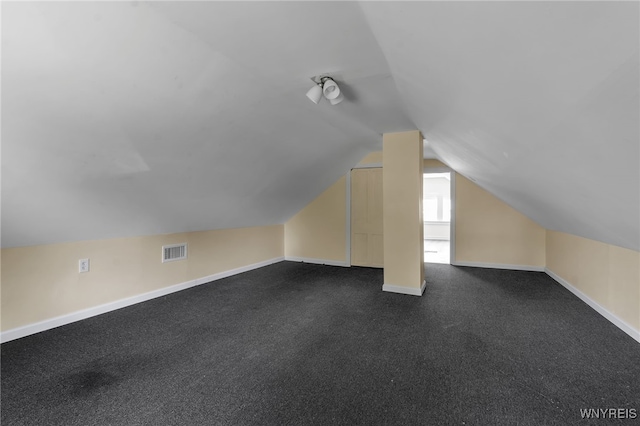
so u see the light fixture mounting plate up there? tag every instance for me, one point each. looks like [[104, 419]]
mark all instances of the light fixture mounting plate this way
[[319, 79]]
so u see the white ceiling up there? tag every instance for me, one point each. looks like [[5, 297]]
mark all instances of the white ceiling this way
[[538, 102], [128, 118]]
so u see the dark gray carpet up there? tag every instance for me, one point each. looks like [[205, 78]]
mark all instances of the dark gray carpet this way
[[305, 344]]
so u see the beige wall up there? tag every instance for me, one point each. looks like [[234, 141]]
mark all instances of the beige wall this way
[[607, 274], [487, 230], [433, 163], [318, 231], [371, 158], [402, 209], [490, 231], [42, 282]]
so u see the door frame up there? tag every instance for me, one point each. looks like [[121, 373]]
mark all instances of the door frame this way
[[452, 227]]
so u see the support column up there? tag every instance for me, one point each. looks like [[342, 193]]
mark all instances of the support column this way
[[402, 213]]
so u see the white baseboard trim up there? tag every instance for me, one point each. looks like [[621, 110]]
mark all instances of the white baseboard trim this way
[[317, 261], [37, 327], [635, 334], [500, 266], [405, 290]]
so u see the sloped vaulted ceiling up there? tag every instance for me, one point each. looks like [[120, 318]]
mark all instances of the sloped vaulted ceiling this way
[[131, 118], [538, 102], [128, 118]]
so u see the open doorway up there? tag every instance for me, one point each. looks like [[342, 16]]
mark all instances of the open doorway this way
[[436, 207]]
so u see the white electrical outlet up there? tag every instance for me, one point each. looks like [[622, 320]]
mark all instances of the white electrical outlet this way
[[84, 265]]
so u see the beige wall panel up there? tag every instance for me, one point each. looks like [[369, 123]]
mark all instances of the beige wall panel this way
[[235, 248], [624, 285], [377, 250], [607, 274], [376, 200], [582, 262], [1, 290], [359, 200], [592, 260], [560, 257], [359, 217], [366, 217], [167, 273], [490, 231], [433, 163], [318, 231], [359, 249], [403, 227], [371, 158], [42, 282]]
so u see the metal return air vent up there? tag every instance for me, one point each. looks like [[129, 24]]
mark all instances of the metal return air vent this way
[[174, 252]]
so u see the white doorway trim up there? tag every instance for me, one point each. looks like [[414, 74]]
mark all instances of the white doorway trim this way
[[452, 228]]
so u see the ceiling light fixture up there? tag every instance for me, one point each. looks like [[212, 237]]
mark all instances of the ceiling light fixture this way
[[327, 87], [330, 89], [315, 94], [337, 100]]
